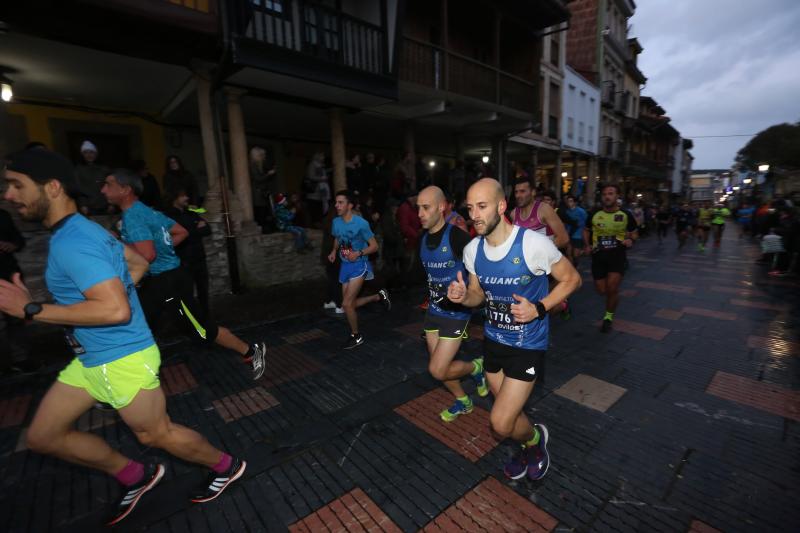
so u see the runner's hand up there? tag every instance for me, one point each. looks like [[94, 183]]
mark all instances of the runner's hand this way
[[457, 290], [14, 296], [332, 257], [627, 243], [523, 311]]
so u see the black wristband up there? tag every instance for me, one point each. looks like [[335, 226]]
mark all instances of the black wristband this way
[[541, 310]]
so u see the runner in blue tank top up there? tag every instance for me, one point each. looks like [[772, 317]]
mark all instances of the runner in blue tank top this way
[[508, 268], [354, 241], [446, 323]]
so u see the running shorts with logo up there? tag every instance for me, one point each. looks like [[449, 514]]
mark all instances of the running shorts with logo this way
[[118, 382], [514, 362], [447, 327], [172, 291]]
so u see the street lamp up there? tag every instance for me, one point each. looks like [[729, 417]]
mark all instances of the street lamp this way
[[747, 181], [6, 92], [485, 159], [564, 174], [431, 163], [763, 168], [735, 187]]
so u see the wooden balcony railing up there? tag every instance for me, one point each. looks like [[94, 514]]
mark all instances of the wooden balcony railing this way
[[315, 30], [433, 66]]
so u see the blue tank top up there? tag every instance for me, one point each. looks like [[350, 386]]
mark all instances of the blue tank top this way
[[500, 280], [441, 266]]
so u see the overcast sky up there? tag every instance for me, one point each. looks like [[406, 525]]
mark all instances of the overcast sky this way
[[721, 67]]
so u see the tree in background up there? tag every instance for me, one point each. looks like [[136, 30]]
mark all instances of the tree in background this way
[[777, 145]]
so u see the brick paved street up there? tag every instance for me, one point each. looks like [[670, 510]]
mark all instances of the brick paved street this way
[[685, 418]]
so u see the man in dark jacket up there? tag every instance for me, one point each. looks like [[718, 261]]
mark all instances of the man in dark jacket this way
[[12, 241], [191, 251]]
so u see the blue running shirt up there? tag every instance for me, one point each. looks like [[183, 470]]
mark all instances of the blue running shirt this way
[[518, 266], [353, 235], [442, 266], [83, 254], [141, 223]]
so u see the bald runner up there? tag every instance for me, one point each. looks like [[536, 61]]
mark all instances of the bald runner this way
[[441, 252], [508, 267]]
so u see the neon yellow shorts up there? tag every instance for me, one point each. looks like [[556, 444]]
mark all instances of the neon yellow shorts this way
[[118, 382]]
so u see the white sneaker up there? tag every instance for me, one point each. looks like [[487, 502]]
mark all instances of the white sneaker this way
[[329, 305], [339, 311]]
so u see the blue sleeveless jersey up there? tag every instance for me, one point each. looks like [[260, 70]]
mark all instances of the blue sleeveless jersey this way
[[499, 281], [441, 266]]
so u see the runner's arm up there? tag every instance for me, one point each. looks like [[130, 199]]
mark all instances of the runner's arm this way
[[178, 234], [549, 216], [332, 255], [475, 295], [568, 280], [146, 249], [137, 265], [106, 304], [372, 247]]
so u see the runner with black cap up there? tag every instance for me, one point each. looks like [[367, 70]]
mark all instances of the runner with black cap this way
[[91, 276]]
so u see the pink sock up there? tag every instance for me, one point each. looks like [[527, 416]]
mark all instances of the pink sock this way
[[224, 463], [131, 474]]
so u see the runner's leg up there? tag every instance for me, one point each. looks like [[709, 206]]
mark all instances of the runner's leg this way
[[613, 282], [147, 417], [350, 292], [52, 431], [442, 365]]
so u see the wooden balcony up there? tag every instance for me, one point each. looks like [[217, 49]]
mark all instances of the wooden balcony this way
[[432, 66]]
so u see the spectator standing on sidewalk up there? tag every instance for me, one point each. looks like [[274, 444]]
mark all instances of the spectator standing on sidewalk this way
[[262, 176], [177, 178], [91, 177], [151, 196]]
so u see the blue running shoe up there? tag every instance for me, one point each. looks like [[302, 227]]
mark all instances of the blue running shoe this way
[[458, 408], [517, 467], [538, 456]]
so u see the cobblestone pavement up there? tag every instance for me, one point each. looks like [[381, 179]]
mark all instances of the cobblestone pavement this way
[[685, 418]]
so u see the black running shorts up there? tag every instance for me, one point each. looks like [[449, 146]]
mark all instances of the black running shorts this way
[[516, 363], [172, 291], [607, 261], [447, 328]]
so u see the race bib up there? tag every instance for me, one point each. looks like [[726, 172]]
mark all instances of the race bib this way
[[72, 343], [607, 242], [499, 314]]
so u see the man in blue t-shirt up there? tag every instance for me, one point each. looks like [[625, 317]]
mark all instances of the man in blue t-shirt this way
[[579, 215], [353, 240], [168, 287], [91, 276]]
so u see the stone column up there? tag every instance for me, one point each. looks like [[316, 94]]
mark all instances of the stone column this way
[[239, 157], [459, 140], [591, 183], [409, 147], [338, 155], [557, 176], [207, 131], [576, 175]]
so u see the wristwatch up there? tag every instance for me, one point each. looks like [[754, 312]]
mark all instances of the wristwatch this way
[[32, 309], [540, 309]]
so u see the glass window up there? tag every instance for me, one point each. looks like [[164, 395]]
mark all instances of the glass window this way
[[570, 128]]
